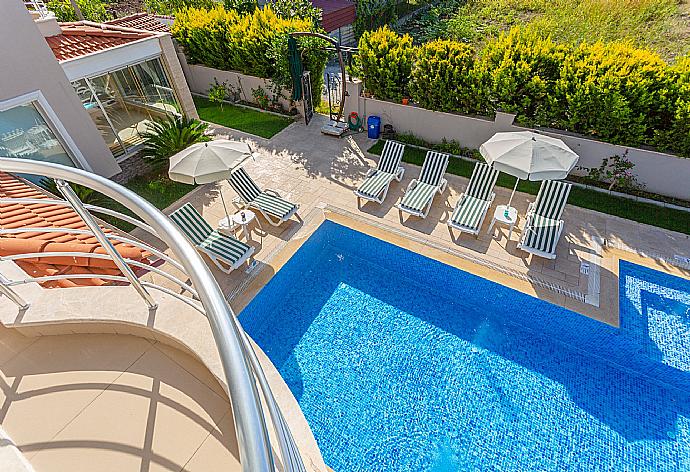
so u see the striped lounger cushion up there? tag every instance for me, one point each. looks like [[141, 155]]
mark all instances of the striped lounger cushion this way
[[430, 178], [203, 236], [468, 213], [552, 198], [374, 185], [248, 191], [542, 234], [274, 205], [224, 247], [416, 199]]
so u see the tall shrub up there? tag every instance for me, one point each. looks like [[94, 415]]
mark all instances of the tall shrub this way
[[385, 63], [252, 43], [677, 138], [443, 77], [615, 92], [518, 71]]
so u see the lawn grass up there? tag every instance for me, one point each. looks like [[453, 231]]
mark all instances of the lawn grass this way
[[156, 188], [255, 122], [647, 213]]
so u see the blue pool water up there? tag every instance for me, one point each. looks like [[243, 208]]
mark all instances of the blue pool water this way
[[402, 363]]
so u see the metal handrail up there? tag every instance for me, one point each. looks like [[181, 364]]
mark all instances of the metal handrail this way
[[114, 237], [92, 208], [35, 255], [240, 366]]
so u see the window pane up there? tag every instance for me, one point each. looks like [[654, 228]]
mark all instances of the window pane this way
[[24, 133], [155, 86], [93, 108], [123, 102]]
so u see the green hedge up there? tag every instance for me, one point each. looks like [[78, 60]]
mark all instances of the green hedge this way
[[384, 63], [251, 43], [442, 79], [614, 92]]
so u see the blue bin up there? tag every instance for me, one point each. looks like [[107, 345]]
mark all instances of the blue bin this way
[[374, 126]]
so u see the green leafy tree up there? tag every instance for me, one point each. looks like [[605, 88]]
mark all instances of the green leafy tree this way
[[303, 9], [170, 135], [93, 10], [373, 14], [218, 93], [384, 63], [171, 7]]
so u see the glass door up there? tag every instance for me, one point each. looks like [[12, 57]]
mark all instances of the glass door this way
[[123, 102]]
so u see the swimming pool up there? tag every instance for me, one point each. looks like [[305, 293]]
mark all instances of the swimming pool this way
[[403, 363]]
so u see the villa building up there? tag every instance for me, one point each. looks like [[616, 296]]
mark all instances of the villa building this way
[[89, 89]]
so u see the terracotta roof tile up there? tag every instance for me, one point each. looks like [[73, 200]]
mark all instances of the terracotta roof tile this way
[[78, 40], [45, 215], [141, 21], [336, 13]]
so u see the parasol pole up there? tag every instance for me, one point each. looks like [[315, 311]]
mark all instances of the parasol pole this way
[[517, 181], [227, 216]]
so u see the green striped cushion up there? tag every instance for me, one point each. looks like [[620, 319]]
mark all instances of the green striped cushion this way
[[418, 198], [551, 199], [274, 205], [374, 185], [202, 235], [191, 223], [482, 181], [224, 247], [391, 156], [468, 212], [434, 167], [542, 234], [244, 185]]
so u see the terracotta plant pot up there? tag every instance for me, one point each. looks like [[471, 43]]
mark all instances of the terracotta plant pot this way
[[405, 101]]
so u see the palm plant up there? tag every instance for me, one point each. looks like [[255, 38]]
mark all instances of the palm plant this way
[[86, 194], [168, 136]]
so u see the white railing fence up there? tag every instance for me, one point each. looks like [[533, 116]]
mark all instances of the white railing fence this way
[[247, 385], [38, 6]]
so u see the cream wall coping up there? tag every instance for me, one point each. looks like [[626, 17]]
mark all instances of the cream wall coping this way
[[120, 310]]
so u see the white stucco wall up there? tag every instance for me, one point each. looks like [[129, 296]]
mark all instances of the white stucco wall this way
[[28, 65], [201, 78]]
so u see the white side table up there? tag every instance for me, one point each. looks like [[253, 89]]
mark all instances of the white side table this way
[[242, 218], [508, 218]]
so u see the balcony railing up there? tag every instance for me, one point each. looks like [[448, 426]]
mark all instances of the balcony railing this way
[[38, 6], [247, 385]]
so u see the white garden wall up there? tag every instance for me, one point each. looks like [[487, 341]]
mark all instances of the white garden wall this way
[[201, 78], [661, 173]]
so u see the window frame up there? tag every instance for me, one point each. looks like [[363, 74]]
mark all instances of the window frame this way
[[38, 100]]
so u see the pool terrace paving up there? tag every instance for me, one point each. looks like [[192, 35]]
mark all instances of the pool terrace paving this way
[[320, 173]]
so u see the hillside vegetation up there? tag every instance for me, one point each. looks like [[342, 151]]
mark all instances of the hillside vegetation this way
[[660, 25]]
